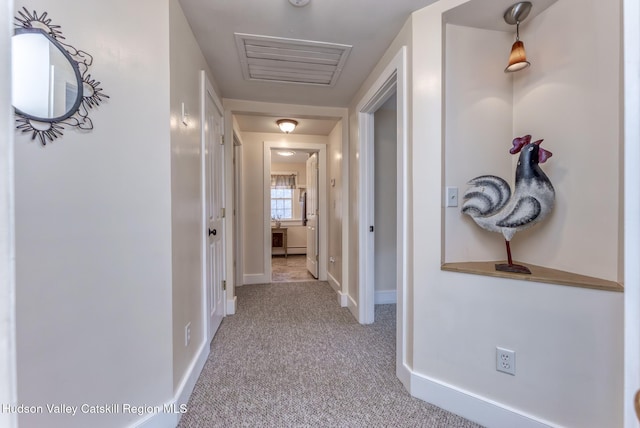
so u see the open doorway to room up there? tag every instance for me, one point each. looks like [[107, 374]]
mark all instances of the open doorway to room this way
[[307, 235], [385, 202], [383, 183], [293, 198]]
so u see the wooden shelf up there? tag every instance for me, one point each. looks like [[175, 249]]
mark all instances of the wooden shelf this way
[[538, 274]]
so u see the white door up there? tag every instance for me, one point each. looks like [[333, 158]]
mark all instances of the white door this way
[[214, 216], [312, 214]]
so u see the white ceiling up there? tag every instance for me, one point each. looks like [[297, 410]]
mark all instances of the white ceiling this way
[[306, 125], [367, 25], [299, 156]]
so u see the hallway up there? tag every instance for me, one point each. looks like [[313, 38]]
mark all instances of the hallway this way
[[292, 357]]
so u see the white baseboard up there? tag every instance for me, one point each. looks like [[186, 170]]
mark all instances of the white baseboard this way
[[471, 406], [385, 297], [333, 282], [169, 414], [231, 305], [343, 299], [290, 250], [255, 278], [403, 372], [352, 305]]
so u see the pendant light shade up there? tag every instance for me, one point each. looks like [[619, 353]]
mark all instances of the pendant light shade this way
[[518, 58], [514, 16], [287, 125]]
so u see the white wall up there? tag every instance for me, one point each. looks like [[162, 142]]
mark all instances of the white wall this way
[[93, 230], [568, 340], [580, 78], [186, 62], [478, 133], [385, 177], [7, 248]]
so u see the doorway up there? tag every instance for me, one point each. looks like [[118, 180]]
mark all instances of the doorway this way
[[321, 208], [212, 158], [385, 201], [391, 81], [293, 212]]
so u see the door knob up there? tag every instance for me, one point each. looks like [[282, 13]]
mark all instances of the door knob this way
[[213, 232]]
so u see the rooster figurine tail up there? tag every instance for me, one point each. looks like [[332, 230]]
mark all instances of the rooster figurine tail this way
[[487, 195]]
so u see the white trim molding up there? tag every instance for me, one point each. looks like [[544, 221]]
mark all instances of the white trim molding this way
[[471, 406], [352, 305], [231, 305], [631, 45], [333, 282], [170, 414], [255, 278], [392, 79], [386, 297], [8, 366], [343, 299]]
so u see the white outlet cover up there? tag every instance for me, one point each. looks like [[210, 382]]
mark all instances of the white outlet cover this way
[[506, 361]]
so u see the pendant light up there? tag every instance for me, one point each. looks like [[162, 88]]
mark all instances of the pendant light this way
[[514, 16]]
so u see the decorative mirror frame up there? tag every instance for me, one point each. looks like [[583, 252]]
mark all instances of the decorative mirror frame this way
[[90, 93]]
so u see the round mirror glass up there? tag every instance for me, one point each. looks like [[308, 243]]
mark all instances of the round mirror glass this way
[[46, 82]]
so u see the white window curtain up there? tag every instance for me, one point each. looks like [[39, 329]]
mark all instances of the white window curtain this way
[[282, 181]]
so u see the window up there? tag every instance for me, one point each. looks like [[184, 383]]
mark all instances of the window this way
[[282, 204], [282, 192]]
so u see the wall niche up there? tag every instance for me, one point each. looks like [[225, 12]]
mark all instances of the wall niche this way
[[571, 98]]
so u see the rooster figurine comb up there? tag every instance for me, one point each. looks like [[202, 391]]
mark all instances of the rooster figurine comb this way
[[491, 205]]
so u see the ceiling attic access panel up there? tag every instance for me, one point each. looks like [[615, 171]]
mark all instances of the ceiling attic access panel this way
[[275, 59]]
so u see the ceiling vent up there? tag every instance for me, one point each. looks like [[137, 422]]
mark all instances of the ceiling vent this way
[[276, 59]]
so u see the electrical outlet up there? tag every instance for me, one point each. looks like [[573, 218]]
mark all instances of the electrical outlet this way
[[506, 361], [187, 334]]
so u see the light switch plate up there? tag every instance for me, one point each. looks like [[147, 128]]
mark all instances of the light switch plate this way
[[451, 196]]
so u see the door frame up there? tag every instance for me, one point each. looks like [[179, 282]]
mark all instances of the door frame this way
[[323, 200], [392, 79], [631, 85], [8, 389], [207, 88], [238, 208]]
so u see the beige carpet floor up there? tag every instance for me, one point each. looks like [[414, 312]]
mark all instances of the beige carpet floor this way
[[291, 357]]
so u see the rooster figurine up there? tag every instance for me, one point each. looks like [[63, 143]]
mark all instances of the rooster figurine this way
[[490, 204]]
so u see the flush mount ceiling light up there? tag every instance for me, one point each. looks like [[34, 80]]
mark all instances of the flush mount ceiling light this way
[[514, 16], [299, 3], [287, 125], [286, 153]]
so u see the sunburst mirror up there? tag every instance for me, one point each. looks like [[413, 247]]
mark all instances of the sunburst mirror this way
[[51, 84]]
